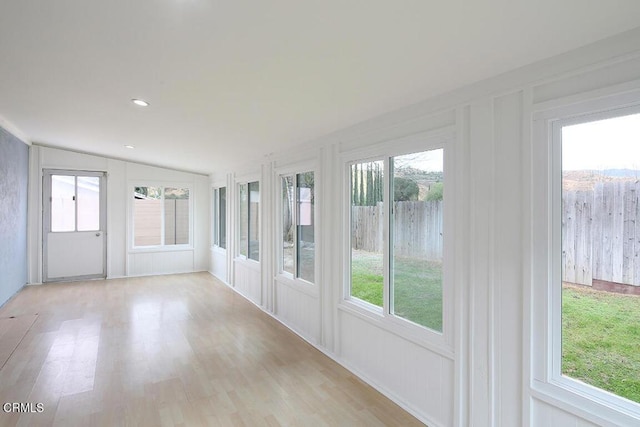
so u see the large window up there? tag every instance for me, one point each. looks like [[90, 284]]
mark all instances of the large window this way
[[597, 283], [298, 247], [220, 217], [249, 218], [161, 216], [397, 246]]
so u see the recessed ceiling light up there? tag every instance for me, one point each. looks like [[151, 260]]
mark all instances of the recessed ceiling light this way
[[140, 102], [131, 147]]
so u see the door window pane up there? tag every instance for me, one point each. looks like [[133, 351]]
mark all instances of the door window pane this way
[[367, 228], [254, 223], [305, 221], [63, 203], [417, 236], [88, 203], [288, 226]]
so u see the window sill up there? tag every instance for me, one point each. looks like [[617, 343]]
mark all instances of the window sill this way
[[250, 263], [297, 284], [218, 249], [425, 338], [152, 249], [590, 403]]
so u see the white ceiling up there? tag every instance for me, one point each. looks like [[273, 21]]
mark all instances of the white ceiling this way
[[230, 81]]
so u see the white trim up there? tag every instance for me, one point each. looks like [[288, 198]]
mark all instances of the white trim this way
[[544, 347], [214, 219], [443, 138], [131, 248], [47, 175], [299, 285], [294, 170]]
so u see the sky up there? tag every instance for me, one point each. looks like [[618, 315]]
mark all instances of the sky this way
[[603, 144], [430, 161]]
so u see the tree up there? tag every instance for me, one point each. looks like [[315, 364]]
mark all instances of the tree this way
[[361, 195], [405, 190], [370, 195]]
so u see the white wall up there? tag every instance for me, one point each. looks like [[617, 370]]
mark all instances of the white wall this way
[[482, 377], [122, 260]]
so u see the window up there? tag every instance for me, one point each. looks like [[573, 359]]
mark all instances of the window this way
[[249, 220], [596, 289], [298, 247], [399, 245], [75, 203], [161, 216], [220, 217]]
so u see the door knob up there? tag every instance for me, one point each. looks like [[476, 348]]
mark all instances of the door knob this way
[[97, 234]]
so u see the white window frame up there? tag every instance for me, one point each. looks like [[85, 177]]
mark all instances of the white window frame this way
[[215, 216], [279, 174], [547, 381], [440, 342], [238, 182], [131, 222]]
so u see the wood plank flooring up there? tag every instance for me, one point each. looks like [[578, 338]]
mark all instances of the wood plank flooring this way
[[179, 350]]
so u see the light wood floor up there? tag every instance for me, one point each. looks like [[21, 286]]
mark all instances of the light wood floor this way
[[180, 350]]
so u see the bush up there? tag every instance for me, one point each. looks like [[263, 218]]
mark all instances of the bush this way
[[435, 193], [405, 190]]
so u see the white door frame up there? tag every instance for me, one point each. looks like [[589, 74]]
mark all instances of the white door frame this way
[[46, 219]]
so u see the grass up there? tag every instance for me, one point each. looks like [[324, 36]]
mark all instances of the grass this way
[[600, 330], [417, 287], [601, 340]]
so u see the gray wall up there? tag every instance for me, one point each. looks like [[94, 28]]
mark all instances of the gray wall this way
[[14, 173]]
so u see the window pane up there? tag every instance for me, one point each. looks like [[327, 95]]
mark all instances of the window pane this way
[[63, 204], [416, 234], [367, 231], [216, 218], [147, 216], [88, 203], [176, 216], [305, 236], [244, 220], [288, 225], [222, 217], [599, 258], [254, 224]]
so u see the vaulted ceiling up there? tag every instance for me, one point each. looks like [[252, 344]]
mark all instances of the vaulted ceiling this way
[[230, 81]]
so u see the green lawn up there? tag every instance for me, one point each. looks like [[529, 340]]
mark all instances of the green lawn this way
[[601, 340], [600, 330], [417, 287]]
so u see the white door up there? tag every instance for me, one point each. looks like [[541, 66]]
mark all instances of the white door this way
[[74, 225]]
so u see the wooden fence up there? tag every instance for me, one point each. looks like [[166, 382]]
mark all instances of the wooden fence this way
[[601, 234], [417, 229], [147, 226]]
